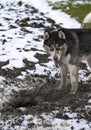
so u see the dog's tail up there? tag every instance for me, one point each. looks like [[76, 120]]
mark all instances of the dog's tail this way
[[87, 20]]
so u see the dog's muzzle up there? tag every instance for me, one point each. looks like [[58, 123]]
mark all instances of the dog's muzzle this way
[[55, 58]]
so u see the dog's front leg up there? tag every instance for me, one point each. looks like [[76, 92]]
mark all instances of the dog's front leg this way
[[63, 69], [73, 69]]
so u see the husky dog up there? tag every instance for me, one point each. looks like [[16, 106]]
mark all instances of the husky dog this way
[[68, 47]]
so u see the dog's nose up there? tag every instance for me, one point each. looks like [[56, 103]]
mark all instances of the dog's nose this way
[[55, 58]]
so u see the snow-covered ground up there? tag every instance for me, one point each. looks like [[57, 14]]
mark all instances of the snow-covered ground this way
[[46, 122], [16, 45], [13, 49]]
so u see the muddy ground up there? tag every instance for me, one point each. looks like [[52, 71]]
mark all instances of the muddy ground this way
[[41, 95]]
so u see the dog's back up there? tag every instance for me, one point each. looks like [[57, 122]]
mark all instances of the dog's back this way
[[82, 37]]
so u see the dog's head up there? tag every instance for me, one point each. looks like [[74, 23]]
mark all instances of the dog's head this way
[[55, 44]]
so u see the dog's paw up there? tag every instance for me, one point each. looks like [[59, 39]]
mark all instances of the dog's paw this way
[[60, 87], [72, 93]]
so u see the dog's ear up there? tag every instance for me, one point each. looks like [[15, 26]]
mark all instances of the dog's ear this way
[[61, 34], [46, 35]]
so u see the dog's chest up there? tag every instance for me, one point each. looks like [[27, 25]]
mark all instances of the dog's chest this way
[[66, 59]]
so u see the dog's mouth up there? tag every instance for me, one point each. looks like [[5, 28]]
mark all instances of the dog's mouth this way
[[58, 62]]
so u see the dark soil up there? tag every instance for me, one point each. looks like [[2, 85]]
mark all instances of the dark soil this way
[[44, 97]]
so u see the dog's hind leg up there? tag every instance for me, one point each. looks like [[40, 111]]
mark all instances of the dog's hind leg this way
[[64, 70], [89, 76], [73, 69]]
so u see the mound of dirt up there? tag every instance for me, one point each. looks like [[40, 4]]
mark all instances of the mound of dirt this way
[[44, 97]]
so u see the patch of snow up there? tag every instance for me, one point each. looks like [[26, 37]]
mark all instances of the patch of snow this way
[[1, 79], [14, 49], [46, 122], [58, 16]]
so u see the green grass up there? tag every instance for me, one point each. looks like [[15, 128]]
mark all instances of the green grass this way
[[78, 11]]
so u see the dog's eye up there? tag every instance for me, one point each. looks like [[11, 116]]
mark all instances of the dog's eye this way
[[59, 48], [51, 49]]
